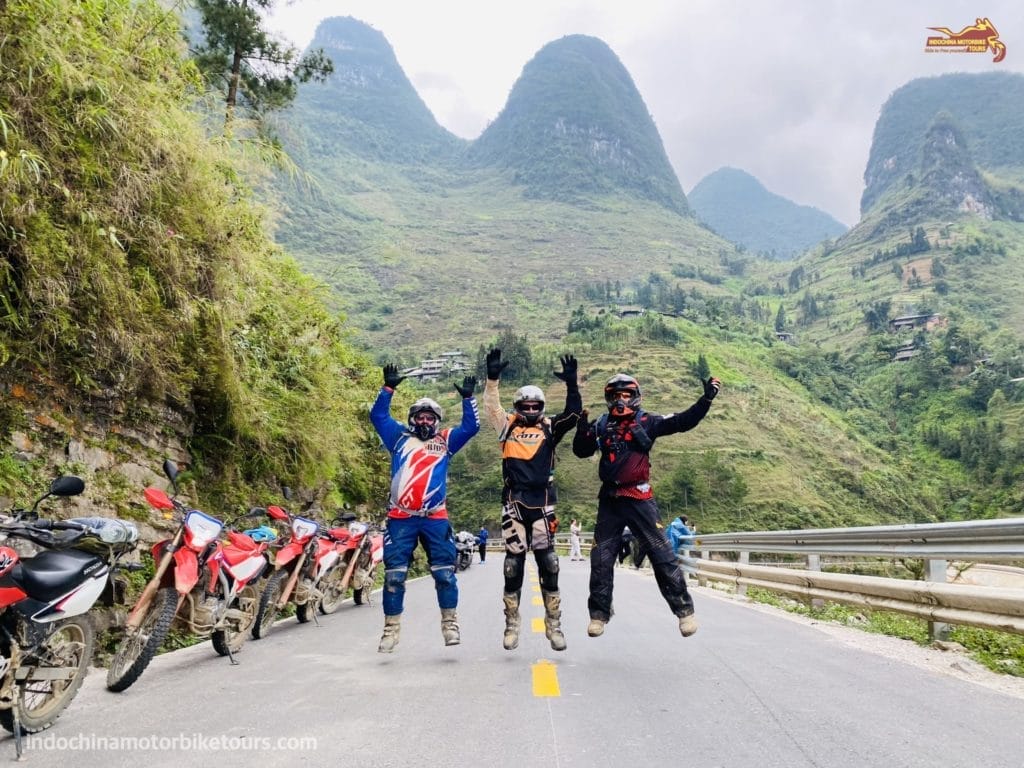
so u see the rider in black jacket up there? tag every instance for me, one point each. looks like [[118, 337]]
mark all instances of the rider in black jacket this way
[[624, 436]]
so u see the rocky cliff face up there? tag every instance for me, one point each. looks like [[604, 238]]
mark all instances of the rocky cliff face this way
[[116, 461]]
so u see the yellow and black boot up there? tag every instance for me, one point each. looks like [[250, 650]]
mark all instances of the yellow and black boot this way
[[553, 620], [513, 621]]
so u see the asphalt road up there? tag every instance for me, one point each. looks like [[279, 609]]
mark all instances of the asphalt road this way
[[749, 689]]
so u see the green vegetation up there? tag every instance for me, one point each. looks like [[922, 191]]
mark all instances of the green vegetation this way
[[575, 127], [137, 268]]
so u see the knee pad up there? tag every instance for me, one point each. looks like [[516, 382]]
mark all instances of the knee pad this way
[[547, 561], [444, 576], [394, 580], [547, 564], [513, 569]]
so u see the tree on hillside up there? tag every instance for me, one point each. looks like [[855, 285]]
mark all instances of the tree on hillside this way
[[255, 71]]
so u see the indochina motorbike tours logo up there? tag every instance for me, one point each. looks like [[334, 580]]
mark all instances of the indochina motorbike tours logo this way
[[980, 37]]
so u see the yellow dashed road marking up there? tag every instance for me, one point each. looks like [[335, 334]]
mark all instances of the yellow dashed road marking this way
[[537, 625], [545, 678], [536, 588], [538, 601]]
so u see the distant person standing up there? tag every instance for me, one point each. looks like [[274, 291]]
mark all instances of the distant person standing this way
[[680, 535], [482, 538], [575, 552]]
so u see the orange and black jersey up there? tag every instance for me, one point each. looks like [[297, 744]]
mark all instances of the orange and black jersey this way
[[528, 452]]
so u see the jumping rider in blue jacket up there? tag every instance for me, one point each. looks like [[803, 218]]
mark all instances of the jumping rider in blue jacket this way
[[417, 509]]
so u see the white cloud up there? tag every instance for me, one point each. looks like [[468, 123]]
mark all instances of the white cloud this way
[[787, 90]]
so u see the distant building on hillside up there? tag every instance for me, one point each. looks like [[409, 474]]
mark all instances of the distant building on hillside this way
[[910, 322], [445, 364], [904, 353], [785, 336], [631, 311]]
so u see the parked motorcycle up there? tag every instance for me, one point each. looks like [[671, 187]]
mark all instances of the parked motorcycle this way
[[465, 545], [368, 540], [46, 638], [206, 586], [300, 564]]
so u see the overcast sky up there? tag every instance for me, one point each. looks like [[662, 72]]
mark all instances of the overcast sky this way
[[787, 90]]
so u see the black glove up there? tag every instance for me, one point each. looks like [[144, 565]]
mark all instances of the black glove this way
[[711, 387], [568, 372], [468, 385], [495, 365], [392, 378], [583, 423]]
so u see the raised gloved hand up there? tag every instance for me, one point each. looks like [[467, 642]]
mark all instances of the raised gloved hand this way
[[392, 378], [584, 422], [495, 365], [553, 525], [568, 372], [468, 385], [711, 387]]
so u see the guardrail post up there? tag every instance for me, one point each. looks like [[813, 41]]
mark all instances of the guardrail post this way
[[814, 564], [741, 589], [935, 570], [702, 580]]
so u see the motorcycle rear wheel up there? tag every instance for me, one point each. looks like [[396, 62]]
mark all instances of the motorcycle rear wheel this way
[[231, 639], [330, 588], [266, 615], [40, 702], [138, 648]]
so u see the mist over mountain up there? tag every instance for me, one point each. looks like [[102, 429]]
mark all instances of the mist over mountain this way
[[981, 115], [368, 107], [575, 125], [738, 207]]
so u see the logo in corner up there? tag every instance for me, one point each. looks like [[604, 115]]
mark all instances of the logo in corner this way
[[980, 37]]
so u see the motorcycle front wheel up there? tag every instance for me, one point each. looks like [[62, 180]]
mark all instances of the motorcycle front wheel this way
[[331, 589], [139, 646], [231, 638], [266, 615], [49, 678]]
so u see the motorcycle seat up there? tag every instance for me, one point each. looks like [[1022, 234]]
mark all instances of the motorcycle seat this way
[[50, 574]]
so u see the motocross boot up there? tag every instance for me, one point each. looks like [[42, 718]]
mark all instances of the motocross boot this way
[[553, 620], [450, 626], [596, 627], [388, 641], [512, 621], [687, 625]]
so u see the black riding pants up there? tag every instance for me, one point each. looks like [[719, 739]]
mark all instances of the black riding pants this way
[[613, 514]]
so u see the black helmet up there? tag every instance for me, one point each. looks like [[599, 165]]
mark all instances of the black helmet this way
[[622, 394], [424, 405], [529, 394]]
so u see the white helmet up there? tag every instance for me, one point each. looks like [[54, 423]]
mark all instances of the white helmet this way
[[424, 404], [529, 394]]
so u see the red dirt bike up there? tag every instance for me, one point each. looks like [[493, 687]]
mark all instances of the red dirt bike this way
[[307, 567], [206, 586], [363, 552], [46, 638]]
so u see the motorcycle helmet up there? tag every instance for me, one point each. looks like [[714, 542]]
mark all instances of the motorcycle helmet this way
[[622, 394], [528, 403], [424, 431]]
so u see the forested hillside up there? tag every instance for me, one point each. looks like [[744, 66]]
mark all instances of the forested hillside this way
[[140, 289]]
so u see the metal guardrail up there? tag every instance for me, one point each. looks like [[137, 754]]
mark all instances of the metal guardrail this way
[[936, 543], [981, 540]]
